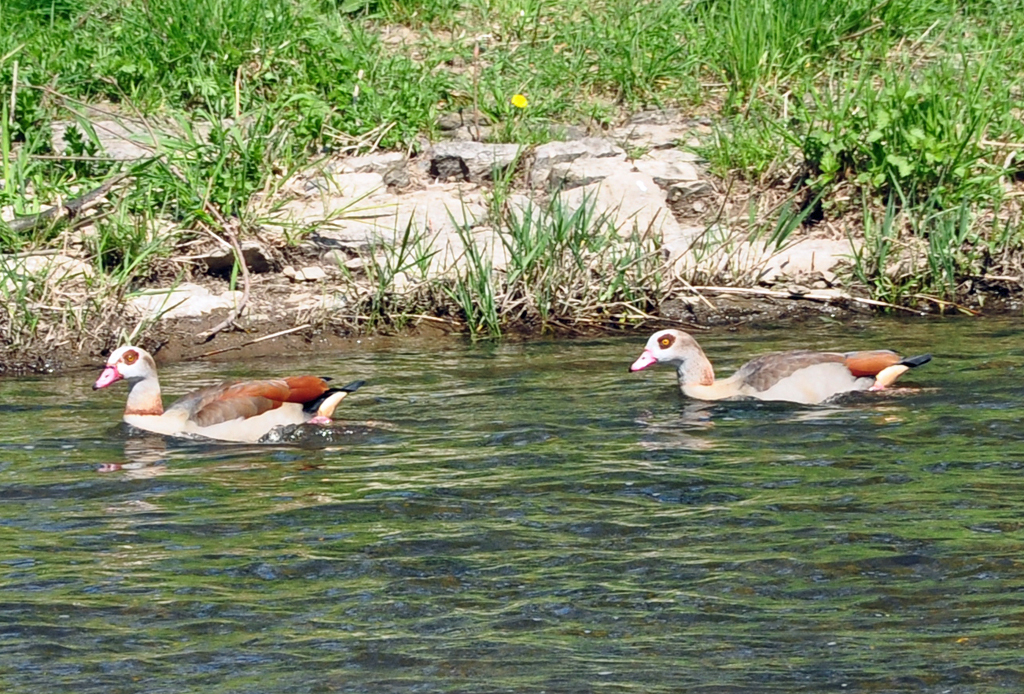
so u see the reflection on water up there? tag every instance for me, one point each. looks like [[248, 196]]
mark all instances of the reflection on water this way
[[530, 518]]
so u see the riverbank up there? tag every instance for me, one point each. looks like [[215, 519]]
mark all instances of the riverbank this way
[[329, 172]]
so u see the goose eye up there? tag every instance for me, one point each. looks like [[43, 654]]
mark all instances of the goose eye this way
[[665, 341], [130, 357]]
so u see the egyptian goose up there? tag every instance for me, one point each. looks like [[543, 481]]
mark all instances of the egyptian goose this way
[[230, 411], [804, 377]]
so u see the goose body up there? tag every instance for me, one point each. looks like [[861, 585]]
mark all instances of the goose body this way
[[230, 411], [802, 376]]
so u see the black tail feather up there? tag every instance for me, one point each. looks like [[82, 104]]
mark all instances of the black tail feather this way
[[917, 361], [314, 405]]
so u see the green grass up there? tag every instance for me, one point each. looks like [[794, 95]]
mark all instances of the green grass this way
[[567, 267], [908, 108]]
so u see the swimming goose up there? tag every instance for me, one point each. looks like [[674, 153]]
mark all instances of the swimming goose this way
[[230, 411], [804, 377]]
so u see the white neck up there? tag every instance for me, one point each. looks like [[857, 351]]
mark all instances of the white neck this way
[[144, 397], [696, 369]]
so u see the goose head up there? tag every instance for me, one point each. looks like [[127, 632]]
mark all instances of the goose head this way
[[681, 351], [129, 363]]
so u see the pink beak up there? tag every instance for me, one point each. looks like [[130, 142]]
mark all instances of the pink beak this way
[[109, 375], [643, 361]]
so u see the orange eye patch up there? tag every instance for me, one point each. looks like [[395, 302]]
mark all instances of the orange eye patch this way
[[666, 341], [130, 357]]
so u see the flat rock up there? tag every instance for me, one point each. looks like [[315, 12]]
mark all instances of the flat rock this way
[[548, 155], [680, 246], [347, 185], [672, 155], [470, 161], [121, 140], [631, 200], [584, 171], [804, 257], [55, 270], [667, 172], [557, 152], [356, 264], [660, 130], [686, 190], [313, 273], [653, 135], [257, 258], [712, 253], [465, 119], [470, 133], [353, 212], [187, 300], [432, 216], [378, 162]]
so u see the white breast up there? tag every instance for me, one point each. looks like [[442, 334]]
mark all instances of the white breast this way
[[176, 423], [812, 384]]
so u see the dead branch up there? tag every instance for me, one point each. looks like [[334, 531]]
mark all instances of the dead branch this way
[[66, 210], [809, 296]]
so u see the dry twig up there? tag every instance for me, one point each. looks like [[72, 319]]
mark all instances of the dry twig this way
[[68, 209], [809, 296], [279, 333], [229, 227]]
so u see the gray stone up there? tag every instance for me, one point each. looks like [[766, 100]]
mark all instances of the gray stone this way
[[257, 258], [58, 271], [347, 185], [433, 217], [662, 129], [360, 215], [118, 140], [630, 200], [548, 156], [802, 258], [657, 116], [187, 300], [378, 162], [685, 190], [465, 118], [672, 155], [471, 133], [401, 283], [470, 161], [558, 152], [397, 176], [667, 173], [335, 257], [313, 273], [652, 135], [567, 132], [585, 171], [678, 245]]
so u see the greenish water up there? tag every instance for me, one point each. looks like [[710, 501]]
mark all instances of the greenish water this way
[[528, 518]]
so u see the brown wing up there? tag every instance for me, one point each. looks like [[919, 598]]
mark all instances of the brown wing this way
[[871, 363], [303, 389], [765, 371], [244, 399]]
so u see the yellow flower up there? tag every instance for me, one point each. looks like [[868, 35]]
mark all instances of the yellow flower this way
[[519, 101]]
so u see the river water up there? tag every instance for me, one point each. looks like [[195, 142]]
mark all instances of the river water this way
[[530, 518]]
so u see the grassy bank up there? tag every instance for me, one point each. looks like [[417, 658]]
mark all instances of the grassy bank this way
[[897, 122]]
